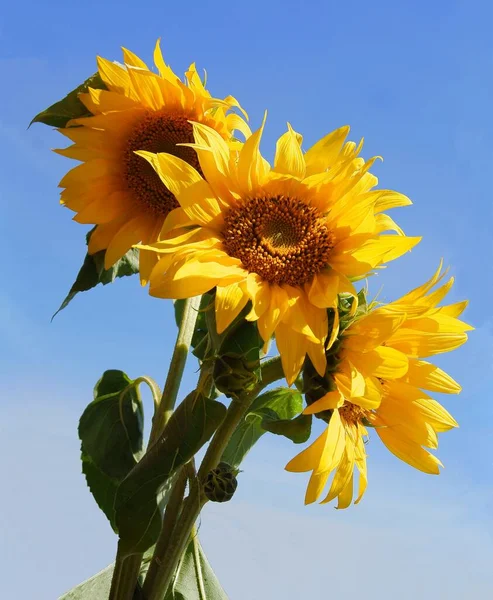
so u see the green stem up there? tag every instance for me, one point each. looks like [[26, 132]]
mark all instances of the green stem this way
[[169, 520], [271, 371], [125, 576], [117, 575], [176, 367], [127, 569]]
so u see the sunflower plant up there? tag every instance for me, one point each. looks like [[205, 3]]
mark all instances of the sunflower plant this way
[[264, 263]]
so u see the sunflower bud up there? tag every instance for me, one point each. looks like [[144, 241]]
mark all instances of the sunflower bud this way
[[237, 366], [232, 375], [221, 483]]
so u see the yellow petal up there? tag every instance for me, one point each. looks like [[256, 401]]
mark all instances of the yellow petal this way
[[269, 320], [214, 157], [454, 310], [116, 78], [323, 289], [408, 451], [330, 401], [129, 58], [292, 348], [385, 248], [148, 88], [316, 352], [383, 362], [252, 168], [346, 495], [195, 274], [360, 459], [128, 235], [289, 157], [176, 174], [315, 487], [425, 375], [259, 293], [419, 344], [309, 458], [324, 153], [230, 301], [343, 475], [164, 70], [386, 199], [335, 444], [371, 330], [104, 210]]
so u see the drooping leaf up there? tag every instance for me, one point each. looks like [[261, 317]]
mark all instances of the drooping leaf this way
[[93, 272], [70, 107], [111, 434], [286, 403], [297, 430], [138, 517]]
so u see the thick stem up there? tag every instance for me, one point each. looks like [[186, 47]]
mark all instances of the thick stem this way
[[169, 521], [176, 367], [271, 371], [125, 576], [127, 570]]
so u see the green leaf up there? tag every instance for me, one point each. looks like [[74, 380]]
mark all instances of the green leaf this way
[[93, 272], [297, 430], [137, 513], [96, 587], [194, 567], [70, 107], [185, 585], [286, 403], [111, 432]]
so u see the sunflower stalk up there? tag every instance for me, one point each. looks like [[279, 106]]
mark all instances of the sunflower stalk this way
[[176, 367], [157, 583], [127, 569]]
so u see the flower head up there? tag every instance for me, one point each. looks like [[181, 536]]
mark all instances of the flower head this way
[[115, 188], [376, 378], [286, 238]]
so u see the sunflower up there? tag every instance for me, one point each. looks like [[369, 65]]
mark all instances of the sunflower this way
[[140, 110], [287, 238], [376, 378]]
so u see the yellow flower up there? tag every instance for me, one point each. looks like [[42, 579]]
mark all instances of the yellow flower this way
[[377, 378], [114, 188], [287, 237]]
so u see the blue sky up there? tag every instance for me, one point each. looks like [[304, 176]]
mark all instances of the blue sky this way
[[416, 80]]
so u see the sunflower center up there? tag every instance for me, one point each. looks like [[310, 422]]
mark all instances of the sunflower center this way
[[352, 413], [156, 132], [281, 239]]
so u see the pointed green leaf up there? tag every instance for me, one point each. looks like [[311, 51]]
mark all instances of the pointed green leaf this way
[[297, 430], [195, 573], [137, 513], [286, 403], [111, 432], [70, 107], [93, 272]]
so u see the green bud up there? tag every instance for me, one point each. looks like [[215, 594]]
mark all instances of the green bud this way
[[221, 483]]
